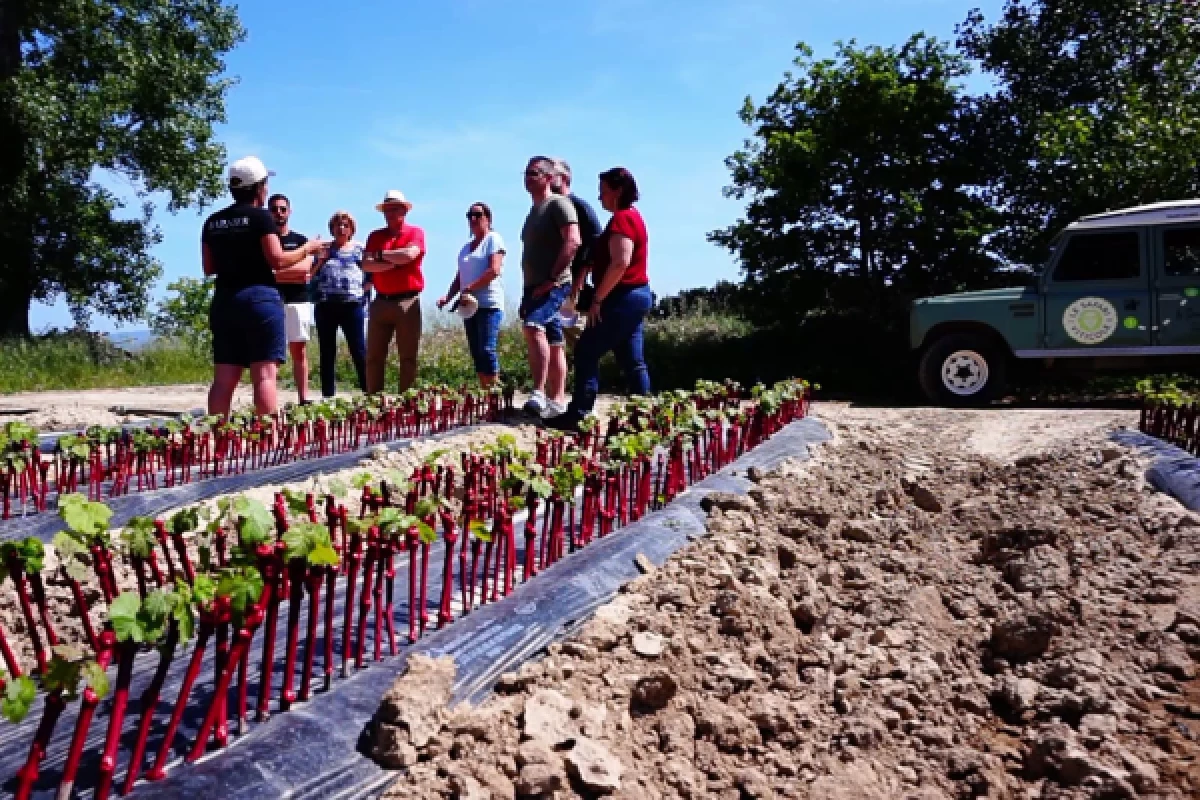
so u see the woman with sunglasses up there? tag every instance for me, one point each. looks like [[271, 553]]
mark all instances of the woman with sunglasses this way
[[338, 289], [478, 280]]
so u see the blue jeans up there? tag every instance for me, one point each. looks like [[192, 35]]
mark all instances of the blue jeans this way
[[620, 332], [350, 316], [483, 329], [542, 312]]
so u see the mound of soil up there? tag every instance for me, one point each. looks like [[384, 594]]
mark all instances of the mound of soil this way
[[901, 618]]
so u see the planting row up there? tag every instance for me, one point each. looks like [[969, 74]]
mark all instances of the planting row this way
[[317, 580], [1177, 423], [110, 462]]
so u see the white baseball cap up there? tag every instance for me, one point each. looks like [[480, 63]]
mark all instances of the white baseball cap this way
[[247, 172], [394, 197]]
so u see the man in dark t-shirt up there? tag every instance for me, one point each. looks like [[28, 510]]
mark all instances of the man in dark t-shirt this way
[[297, 298], [589, 232]]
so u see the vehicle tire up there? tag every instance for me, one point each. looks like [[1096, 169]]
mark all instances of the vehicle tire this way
[[962, 369]]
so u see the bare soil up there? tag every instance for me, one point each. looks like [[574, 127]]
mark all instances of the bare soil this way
[[941, 604], [75, 410]]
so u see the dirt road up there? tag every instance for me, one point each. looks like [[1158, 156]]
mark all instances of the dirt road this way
[[67, 411], [941, 604]]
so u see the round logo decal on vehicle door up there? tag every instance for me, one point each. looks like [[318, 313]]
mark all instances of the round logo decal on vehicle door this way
[[1090, 320]]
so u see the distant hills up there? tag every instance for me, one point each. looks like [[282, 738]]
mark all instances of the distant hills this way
[[131, 340]]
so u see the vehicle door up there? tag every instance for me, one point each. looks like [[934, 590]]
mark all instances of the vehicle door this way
[[1097, 292], [1176, 251]]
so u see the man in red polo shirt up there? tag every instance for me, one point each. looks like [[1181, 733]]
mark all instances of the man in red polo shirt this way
[[393, 257]]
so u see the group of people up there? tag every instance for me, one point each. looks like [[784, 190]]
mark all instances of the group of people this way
[[272, 284]]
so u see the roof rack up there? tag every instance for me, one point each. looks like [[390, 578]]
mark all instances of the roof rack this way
[[1150, 214]]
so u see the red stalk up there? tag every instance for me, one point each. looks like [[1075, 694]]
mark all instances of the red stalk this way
[[270, 568], [330, 585], [388, 608], [160, 532], [84, 721], [312, 582], [365, 597], [10, 659], [17, 571], [296, 568], [354, 558], [445, 612], [39, 599], [377, 593], [28, 774], [149, 702], [216, 709], [413, 537], [424, 613], [108, 762]]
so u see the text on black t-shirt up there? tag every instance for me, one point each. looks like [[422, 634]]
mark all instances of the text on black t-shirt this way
[[294, 292], [234, 239]]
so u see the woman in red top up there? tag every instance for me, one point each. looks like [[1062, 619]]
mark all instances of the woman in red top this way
[[622, 298]]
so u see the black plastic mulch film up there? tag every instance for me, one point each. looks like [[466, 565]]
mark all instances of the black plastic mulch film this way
[[313, 750]]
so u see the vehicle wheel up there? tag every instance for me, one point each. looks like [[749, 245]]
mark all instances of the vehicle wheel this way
[[962, 369]]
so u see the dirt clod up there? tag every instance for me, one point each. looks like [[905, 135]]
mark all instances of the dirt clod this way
[[942, 604]]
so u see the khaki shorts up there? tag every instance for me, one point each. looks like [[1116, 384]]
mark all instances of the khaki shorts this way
[[298, 322]]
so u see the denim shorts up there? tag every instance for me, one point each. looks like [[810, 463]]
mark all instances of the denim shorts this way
[[483, 329], [248, 326], [542, 312]]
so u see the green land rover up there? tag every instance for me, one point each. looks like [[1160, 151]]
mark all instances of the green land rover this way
[[1121, 290]]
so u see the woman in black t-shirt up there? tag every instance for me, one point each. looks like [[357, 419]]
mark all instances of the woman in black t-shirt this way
[[241, 248]]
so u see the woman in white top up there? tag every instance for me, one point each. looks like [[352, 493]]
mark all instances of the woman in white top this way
[[478, 279]]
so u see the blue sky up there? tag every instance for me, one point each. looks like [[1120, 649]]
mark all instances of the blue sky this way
[[446, 100]]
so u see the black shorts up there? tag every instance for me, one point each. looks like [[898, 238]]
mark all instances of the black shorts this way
[[248, 326]]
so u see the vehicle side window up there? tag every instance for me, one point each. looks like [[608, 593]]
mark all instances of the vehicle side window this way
[[1100, 257], [1181, 252]]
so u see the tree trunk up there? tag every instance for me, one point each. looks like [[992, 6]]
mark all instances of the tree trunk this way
[[14, 309], [15, 294]]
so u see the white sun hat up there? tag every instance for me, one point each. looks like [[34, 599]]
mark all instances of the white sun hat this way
[[394, 197], [247, 172], [466, 305]]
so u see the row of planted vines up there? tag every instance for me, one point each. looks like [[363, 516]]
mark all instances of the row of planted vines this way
[[1171, 411], [107, 462], [320, 577]]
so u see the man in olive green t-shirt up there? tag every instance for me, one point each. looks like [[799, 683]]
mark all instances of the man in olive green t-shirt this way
[[549, 240]]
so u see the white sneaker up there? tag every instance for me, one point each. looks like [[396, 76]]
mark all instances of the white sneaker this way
[[536, 404], [553, 409]]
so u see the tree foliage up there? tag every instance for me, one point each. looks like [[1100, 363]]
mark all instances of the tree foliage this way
[[183, 315], [1097, 107], [92, 93], [873, 177], [860, 182]]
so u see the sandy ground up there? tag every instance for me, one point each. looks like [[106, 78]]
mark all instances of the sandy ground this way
[[68, 411], [940, 604], [1002, 434]]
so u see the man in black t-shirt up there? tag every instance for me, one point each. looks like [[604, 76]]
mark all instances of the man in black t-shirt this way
[[589, 232], [297, 299], [241, 250]]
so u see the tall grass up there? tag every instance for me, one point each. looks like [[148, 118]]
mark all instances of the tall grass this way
[[700, 343], [63, 362]]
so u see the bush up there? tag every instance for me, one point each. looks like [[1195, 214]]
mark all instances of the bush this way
[[89, 361]]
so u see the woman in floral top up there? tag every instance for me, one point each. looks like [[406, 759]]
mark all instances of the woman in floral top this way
[[338, 292]]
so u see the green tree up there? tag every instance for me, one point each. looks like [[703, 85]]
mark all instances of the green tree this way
[[861, 180], [184, 314], [124, 88], [1097, 107]]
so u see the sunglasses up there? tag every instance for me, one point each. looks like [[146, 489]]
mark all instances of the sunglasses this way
[[475, 215], [279, 209], [535, 173]]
